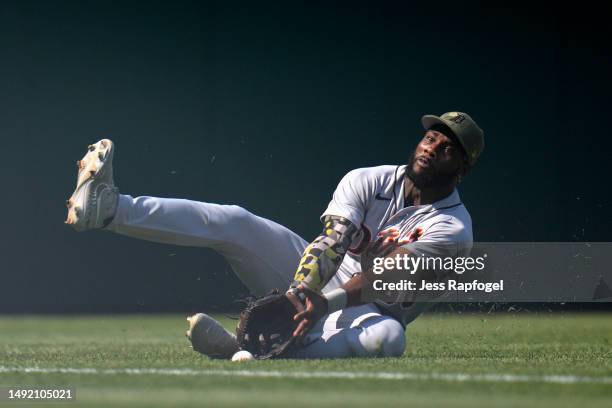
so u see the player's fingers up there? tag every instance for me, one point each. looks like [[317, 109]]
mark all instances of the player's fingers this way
[[389, 243], [301, 329], [389, 230], [386, 232], [301, 315], [309, 293]]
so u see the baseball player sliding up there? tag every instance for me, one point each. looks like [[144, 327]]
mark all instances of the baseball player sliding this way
[[396, 207]]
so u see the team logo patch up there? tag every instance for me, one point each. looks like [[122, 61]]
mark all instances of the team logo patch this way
[[456, 117]]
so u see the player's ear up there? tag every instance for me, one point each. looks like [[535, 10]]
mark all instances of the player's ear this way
[[463, 170]]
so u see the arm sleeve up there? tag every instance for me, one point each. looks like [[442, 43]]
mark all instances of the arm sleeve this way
[[322, 258]]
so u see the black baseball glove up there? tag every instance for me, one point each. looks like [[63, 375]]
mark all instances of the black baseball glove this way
[[266, 325]]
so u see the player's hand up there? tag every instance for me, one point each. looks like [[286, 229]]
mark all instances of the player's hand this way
[[386, 242], [316, 307]]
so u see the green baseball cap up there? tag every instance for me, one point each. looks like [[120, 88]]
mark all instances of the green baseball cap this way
[[465, 129]]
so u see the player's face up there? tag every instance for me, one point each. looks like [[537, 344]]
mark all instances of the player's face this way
[[436, 160]]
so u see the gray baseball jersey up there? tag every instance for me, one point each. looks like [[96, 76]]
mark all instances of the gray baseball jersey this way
[[374, 199]]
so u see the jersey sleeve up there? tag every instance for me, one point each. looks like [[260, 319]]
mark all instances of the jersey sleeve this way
[[351, 196]]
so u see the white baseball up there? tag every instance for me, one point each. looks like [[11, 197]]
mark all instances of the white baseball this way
[[242, 355]]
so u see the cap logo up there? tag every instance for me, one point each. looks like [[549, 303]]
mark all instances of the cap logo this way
[[456, 117]]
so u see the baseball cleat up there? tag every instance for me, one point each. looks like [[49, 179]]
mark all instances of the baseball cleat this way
[[208, 337], [94, 201]]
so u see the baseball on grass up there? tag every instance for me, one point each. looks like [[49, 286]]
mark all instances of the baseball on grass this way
[[242, 355]]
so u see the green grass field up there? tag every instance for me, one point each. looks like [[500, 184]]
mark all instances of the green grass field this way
[[445, 358]]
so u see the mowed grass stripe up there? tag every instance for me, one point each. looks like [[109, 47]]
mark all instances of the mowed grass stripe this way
[[454, 377]]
